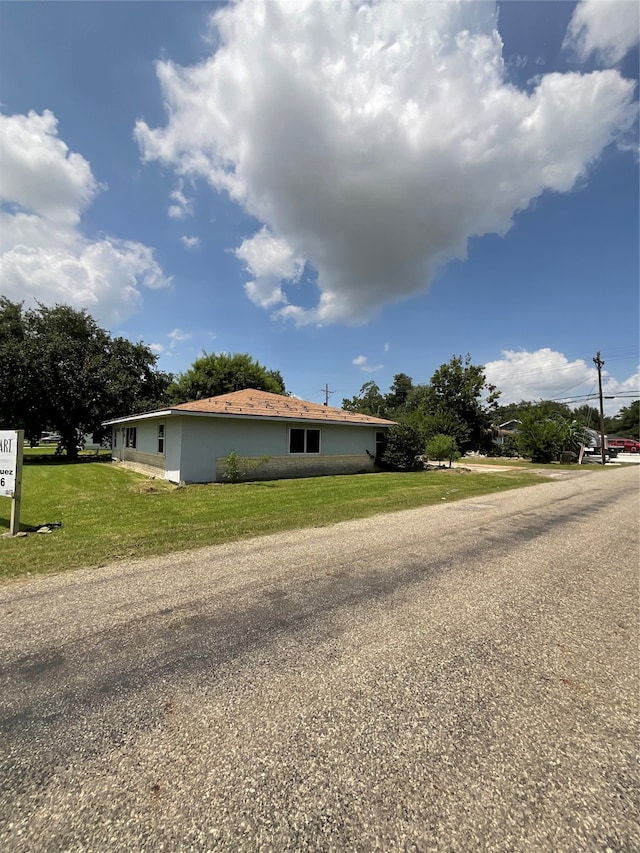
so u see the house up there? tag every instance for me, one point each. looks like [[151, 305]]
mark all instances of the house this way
[[191, 442], [506, 430]]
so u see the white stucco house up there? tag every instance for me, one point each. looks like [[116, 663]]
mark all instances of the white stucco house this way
[[191, 442]]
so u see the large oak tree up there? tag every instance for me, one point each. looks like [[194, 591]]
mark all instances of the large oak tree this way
[[62, 372]]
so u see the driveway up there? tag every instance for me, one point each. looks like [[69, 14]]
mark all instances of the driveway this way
[[455, 678]]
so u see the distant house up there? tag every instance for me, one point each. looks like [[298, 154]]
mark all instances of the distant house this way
[[506, 430], [192, 441]]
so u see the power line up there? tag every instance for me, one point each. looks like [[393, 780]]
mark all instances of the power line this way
[[594, 396]]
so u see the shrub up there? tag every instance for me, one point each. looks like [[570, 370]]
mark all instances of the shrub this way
[[442, 447], [404, 444], [237, 467]]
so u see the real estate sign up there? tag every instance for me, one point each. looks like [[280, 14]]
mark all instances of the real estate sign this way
[[11, 444], [8, 461]]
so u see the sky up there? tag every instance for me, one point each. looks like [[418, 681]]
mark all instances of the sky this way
[[345, 191]]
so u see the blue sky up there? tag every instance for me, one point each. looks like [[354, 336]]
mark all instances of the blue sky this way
[[344, 191]]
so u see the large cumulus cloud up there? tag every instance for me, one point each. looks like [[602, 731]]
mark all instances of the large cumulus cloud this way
[[372, 140], [44, 256]]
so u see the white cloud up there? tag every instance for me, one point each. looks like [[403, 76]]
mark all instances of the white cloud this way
[[44, 256], [177, 335], [362, 362], [190, 242], [270, 261], [549, 375], [182, 206], [372, 140], [607, 28], [158, 349], [39, 173]]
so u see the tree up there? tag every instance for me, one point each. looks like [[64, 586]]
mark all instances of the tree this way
[[458, 401], [18, 409], [70, 374], [222, 373], [397, 398], [544, 438], [539, 438], [442, 447], [132, 382], [404, 443], [368, 402], [626, 423], [587, 416]]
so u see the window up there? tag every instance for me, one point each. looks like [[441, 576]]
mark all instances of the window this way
[[304, 441], [131, 437], [160, 438]]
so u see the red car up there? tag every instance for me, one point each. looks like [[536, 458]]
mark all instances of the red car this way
[[625, 445]]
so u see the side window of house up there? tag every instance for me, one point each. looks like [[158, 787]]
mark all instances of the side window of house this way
[[131, 437], [160, 438], [304, 440]]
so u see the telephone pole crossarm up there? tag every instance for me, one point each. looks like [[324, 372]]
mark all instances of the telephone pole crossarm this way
[[327, 393]]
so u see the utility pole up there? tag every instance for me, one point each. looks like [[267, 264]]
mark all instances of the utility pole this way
[[599, 364], [327, 394]]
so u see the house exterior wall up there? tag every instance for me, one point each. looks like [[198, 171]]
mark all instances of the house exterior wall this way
[[173, 449], [300, 465], [196, 448], [144, 455]]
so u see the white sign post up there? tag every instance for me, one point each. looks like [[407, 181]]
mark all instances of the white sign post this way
[[11, 446]]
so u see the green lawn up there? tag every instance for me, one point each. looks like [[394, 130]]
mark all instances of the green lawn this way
[[507, 462], [109, 513]]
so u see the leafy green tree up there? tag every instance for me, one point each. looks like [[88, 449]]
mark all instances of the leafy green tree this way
[[222, 373], [574, 434], [544, 438], [544, 408], [442, 447], [68, 352], [131, 381], [18, 409], [368, 402], [459, 402], [404, 443], [508, 412], [72, 374], [626, 423], [396, 401], [587, 416], [539, 438]]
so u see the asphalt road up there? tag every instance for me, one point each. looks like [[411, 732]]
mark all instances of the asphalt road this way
[[455, 678]]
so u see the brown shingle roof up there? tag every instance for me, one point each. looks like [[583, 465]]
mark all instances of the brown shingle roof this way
[[261, 404]]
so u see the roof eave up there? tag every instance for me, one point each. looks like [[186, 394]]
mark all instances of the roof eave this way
[[165, 413]]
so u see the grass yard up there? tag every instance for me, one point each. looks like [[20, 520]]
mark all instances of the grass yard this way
[[109, 513], [507, 462]]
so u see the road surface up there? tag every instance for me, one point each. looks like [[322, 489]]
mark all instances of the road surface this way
[[456, 678]]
